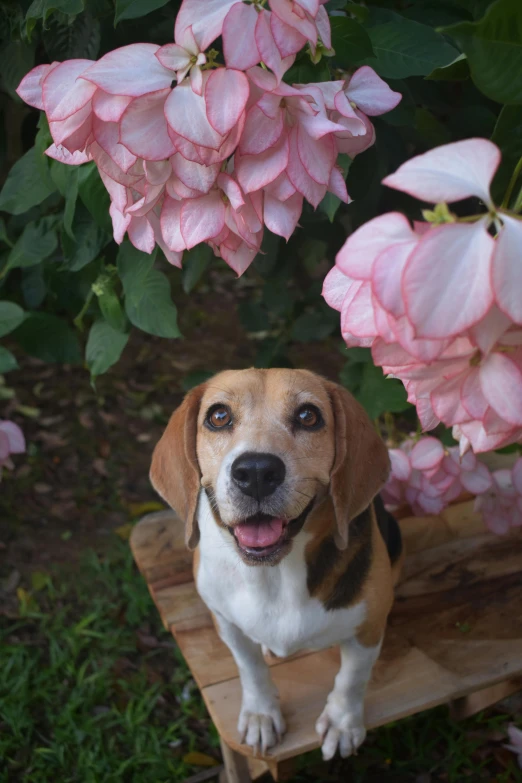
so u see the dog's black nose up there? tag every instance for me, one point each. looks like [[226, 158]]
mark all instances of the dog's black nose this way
[[258, 475]]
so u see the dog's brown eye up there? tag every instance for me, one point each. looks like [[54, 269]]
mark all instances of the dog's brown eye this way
[[308, 416], [219, 417]]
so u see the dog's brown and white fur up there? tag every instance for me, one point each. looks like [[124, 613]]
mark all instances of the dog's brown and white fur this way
[[329, 577]]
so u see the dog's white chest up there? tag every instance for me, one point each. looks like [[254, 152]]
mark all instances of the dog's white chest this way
[[270, 604]]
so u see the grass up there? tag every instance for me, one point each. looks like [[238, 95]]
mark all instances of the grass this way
[[92, 690]]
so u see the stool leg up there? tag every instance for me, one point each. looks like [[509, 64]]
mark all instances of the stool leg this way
[[236, 766]]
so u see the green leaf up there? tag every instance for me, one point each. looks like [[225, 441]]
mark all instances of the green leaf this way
[[4, 236], [195, 262], [42, 9], [94, 195], [350, 41], [147, 293], [11, 316], [35, 244], [493, 46], [49, 338], [379, 395], [194, 378], [406, 48], [33, 286], [133, 268], [304, 71], [25, 187], [132, 9], [87, 241], [79, 37], [16, 59], [112, 310], [456, 71], [104, 347], [71, 194], [312, 326], [7, 361], [507, 135]]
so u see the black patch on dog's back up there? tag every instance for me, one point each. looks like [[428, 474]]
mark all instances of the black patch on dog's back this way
[[389, 528]]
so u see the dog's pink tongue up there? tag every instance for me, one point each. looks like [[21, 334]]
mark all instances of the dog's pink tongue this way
[[259, 534]]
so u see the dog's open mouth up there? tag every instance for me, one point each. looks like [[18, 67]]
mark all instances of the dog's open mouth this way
[[262, 535]]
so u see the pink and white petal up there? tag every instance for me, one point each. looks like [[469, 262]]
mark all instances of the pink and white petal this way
[[477, 480], [281, 188], [63, 92], [174, 57], [447, 404], [310, 6], [357, 315], [426, 415], [172, 256], [358, 254], [351, 121], [449, 173], [239, 43], [337, 185], [260, 131], [281, 217], [285, 11], [194, 175], [196, 79], [118, 193], [288, 40], [141, 234], [15, 437], [507, 268], [177, 189], [170, 222], [206, 18], [256, 171], [157, 172], [300, 178], [186, 114], [387, 274], [240, 258], [107, 135], [130, 70], [267, 46], [322, 22], [231, 190], [319, 125], [318, 157], [143, 128], [400, 465], [336, 286], [64, 129], [370, 93], [30, 88], [352, 145], [446, 281], [226, 95], [426, 454], [64, 156], [489, 329], [472, 396], [109, 108], [4, 448], [501, 382], [202, 218]]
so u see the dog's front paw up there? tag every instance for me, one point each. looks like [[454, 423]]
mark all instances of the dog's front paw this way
[[340, 726], [261, 723]]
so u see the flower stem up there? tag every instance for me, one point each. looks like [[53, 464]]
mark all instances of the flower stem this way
[[512, 183]]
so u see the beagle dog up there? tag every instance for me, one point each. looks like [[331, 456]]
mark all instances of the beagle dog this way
[[275, 474]]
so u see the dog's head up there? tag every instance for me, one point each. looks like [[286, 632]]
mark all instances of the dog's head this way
[[267, 446]]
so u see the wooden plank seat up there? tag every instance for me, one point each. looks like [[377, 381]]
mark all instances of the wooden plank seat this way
[[455, 630]]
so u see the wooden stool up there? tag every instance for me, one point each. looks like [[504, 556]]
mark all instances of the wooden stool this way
[[454, 635]]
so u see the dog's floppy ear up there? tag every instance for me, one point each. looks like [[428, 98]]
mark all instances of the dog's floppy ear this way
[[361, 463], [175, 473]]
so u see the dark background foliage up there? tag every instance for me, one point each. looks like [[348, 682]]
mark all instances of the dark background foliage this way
[[69, 294]]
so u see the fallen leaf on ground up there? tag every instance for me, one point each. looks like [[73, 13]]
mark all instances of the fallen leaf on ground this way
[[200, 759]]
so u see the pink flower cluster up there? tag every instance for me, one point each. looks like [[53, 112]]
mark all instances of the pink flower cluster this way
[[228, 149], [440, 303], [427, 477], [12, 441]]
